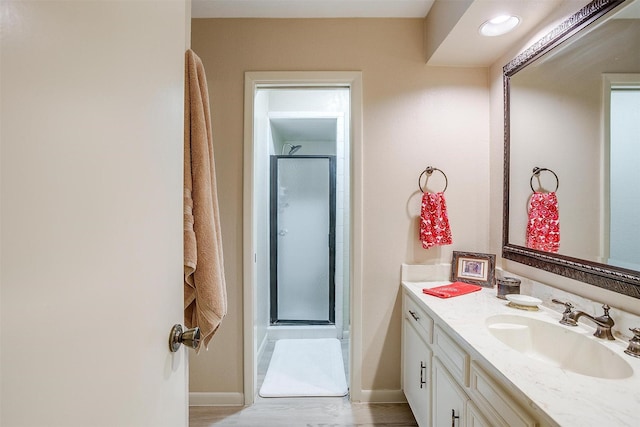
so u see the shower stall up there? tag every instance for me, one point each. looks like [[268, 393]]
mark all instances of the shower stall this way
[[302, 239]]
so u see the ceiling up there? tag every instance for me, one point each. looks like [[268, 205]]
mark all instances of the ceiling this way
[[301, 129], [452, 25], [310, 8]]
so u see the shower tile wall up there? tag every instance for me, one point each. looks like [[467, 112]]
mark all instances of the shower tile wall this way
[[342, 225]]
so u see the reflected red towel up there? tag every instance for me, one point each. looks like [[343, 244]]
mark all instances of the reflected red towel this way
[[543, 227], [452, 290], [434, 221]]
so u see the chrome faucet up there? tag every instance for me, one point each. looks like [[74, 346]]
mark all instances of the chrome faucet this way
[[603, 323]]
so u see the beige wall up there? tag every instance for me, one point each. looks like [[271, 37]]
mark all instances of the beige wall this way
[[570, 144], [414, 116]]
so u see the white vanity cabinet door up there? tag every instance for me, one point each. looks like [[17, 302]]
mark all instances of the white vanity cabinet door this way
[[475, 417], [449, 401], [416, 373]]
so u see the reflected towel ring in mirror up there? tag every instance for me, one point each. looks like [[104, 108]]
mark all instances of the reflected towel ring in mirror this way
[[428, 171], [536, 173]]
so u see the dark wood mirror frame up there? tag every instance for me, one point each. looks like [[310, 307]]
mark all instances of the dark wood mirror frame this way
[[615, 279]]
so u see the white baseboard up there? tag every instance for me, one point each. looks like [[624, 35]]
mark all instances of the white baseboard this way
[[382, 396], [237, 399], [216, 399]]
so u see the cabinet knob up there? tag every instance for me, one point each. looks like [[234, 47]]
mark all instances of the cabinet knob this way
[[414, 315]]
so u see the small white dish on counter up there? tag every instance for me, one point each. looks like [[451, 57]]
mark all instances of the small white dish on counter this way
[[523, 300]]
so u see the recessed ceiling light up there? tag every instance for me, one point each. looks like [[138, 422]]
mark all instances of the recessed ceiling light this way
[[499, 25]]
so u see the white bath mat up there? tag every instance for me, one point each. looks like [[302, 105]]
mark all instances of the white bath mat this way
[[305, 367]]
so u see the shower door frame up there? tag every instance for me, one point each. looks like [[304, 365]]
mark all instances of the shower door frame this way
[[273, 242]]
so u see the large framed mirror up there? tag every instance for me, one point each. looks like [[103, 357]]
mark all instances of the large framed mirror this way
[[572, 110]]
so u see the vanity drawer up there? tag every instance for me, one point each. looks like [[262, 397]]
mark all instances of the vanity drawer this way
[[495, 402], [452, 356], [417, 316]]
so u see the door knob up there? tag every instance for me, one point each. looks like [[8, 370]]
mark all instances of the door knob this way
[[190, 338]]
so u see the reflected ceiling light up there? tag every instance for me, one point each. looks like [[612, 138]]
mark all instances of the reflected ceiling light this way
[[499, 25]]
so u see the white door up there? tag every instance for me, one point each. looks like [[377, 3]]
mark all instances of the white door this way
[[91, 213]]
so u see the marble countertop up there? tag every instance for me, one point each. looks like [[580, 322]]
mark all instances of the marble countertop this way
[[563, 397]]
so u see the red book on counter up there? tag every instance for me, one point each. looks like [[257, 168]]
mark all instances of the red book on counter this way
[[452, 290]]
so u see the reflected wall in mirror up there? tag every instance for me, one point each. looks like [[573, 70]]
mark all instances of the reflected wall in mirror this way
[[572, 105]]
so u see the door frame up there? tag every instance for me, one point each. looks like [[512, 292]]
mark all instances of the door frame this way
[[302, 79]]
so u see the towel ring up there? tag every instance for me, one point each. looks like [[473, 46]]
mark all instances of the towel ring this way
[[429, 170], [536, 172]]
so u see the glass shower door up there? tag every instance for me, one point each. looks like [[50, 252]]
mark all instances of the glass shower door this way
[[302, 239]]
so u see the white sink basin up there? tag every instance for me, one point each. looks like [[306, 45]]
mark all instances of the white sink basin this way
[[559, 346]]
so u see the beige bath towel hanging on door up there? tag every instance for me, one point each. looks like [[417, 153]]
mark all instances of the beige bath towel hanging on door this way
[[205, 295]]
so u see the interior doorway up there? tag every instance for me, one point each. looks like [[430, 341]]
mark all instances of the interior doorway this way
[[623, 173], [621, 197], [301, 123]]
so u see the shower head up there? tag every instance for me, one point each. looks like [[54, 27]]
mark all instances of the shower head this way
[[294, 148]]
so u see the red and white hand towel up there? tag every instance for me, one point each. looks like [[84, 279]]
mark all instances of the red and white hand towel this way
[[434, 221], [543, 227]]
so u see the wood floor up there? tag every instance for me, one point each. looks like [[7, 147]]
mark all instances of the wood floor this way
[[302, 412]]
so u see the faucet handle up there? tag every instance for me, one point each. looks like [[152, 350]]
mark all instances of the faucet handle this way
[[568, 312], [606, 309], [634, 343], [567, 305]]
